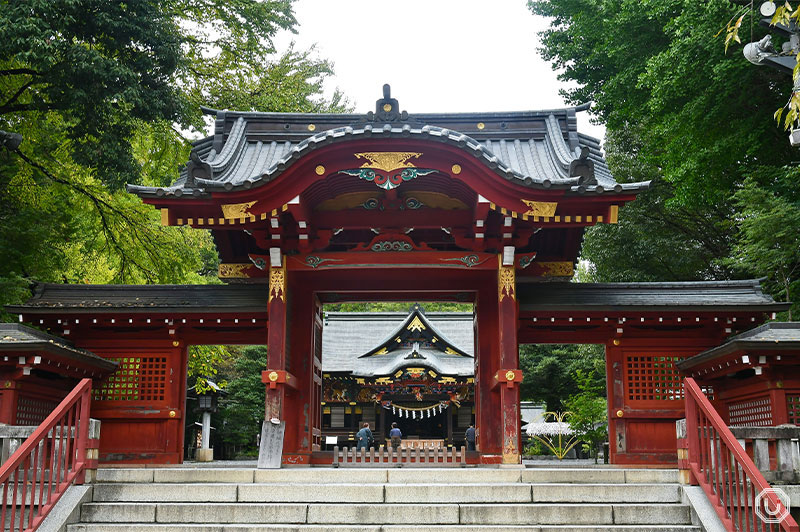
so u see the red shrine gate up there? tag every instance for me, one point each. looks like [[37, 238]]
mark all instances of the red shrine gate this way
[[488, 208]]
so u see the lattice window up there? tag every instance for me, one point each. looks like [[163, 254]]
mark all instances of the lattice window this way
[[793, 407], [136, 379], [337, 417], [32, 411], [653, 378], [751, 413], [464, 418]]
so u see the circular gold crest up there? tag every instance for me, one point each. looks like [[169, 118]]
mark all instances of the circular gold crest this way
[[616, 341], [8, 384], [456, 169], [481, 125], [319, 169], [510, 375], [273, 376], [311, 127], [175, 343], [387, 107], [172, 413], [620, 413]]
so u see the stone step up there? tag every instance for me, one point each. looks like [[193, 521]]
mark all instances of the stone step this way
[[390, 493], [103, 527], [469, 514], [388, 476]]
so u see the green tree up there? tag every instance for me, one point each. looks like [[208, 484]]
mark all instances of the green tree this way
[[682, 113], [769, 242], [103, 94], [550, 371], [105, 66], [242, 410], [588, 411]]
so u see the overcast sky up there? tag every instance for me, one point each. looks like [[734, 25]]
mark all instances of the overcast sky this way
[[438, 55]]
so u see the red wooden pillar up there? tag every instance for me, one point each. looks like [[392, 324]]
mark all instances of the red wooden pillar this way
[[276, 345], [488, 422], [509, 375], [9, 394]]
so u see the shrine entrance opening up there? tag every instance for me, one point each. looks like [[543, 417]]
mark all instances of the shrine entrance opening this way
[[406, 363], [417, 369]]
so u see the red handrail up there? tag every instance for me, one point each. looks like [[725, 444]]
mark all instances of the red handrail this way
[[730, 479], [47, 463]]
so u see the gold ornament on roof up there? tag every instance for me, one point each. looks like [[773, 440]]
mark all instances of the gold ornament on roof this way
[[387, 160], [557, 269], [231, 271], [416, 325], [237, 210], [545, 209]]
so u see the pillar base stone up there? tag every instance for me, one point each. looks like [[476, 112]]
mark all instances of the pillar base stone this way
[[204, 455]]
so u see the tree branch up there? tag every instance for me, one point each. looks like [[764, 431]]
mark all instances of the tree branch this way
[[19, 71], [16, 96]]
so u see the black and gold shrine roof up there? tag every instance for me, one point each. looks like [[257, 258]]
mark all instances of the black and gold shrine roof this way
[[366, 344], [537, 149]]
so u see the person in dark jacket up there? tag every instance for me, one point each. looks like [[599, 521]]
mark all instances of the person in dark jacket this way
[[470, 436], [364, 438], [396, 436]]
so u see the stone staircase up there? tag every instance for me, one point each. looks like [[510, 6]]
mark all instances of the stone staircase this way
[[385, 500]]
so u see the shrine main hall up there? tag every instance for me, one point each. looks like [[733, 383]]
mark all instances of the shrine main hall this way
[[306, 209]]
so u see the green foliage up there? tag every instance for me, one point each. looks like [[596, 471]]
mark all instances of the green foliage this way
[[549, 371], [204, 363], [588, 409], [398, 306], [105, 66], [769, 243], [682, 113], [242, 410], [103, 94]]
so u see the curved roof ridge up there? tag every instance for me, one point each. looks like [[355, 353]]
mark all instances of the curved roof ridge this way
[[556, 140], [552, 171]]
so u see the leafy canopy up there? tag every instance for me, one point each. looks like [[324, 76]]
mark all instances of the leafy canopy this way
[[695, 121]]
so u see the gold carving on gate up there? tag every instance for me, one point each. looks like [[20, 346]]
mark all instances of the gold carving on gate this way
[[237, 210], [232, 270], [277, 283], [510, 455], [416, 325], [273, 376], [557, 269], [381, 351], [510, 375], [387, 160], [544, 209], [506, 282]]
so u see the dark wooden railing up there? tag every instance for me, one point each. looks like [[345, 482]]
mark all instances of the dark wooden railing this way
[[737, 490], [47, 463]]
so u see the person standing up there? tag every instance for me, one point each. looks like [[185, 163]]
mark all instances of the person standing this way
[[470, 436], [396, 436], [364, 437]]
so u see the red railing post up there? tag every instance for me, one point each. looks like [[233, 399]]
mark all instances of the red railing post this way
[[730, 479], [692, 437], [66, 432]]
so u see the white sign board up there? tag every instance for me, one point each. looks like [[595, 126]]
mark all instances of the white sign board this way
[[271, 448]]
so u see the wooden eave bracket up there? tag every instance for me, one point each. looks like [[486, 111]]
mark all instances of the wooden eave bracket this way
[[508, 376], [274, 377]]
